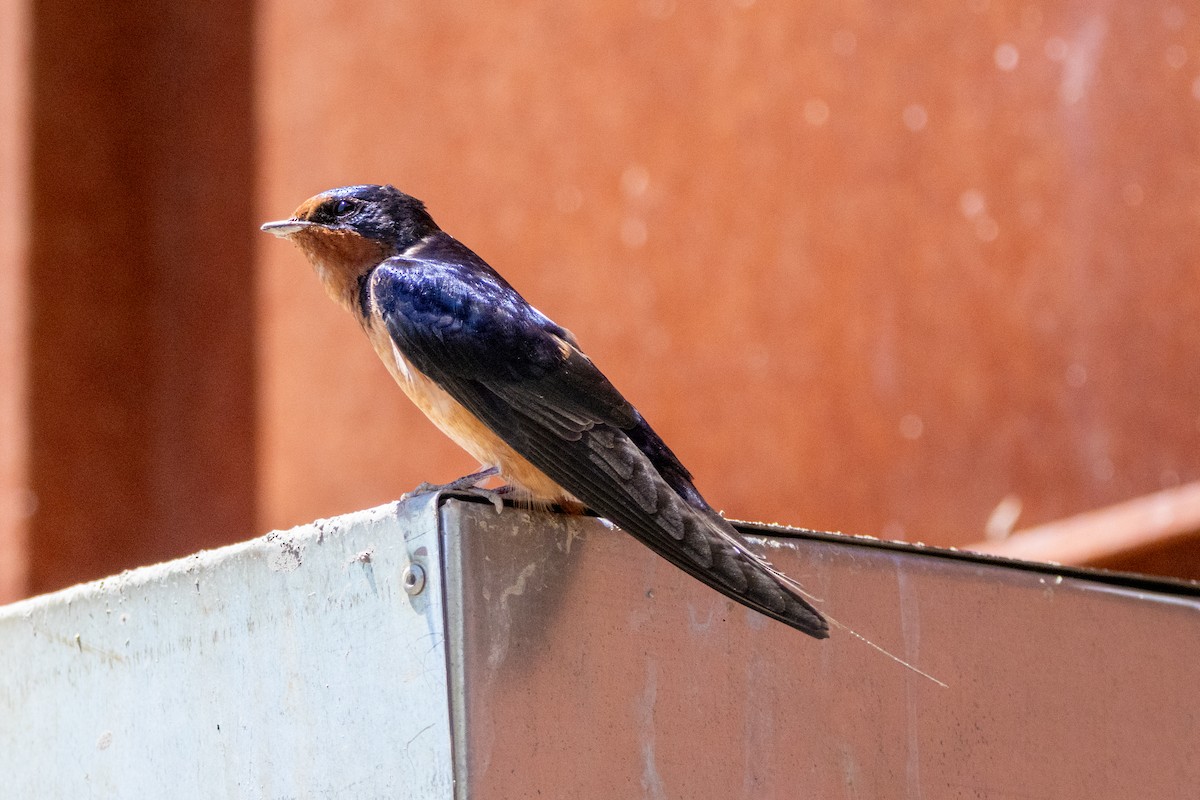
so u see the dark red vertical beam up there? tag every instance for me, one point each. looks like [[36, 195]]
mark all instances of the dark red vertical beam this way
[[140, 391]]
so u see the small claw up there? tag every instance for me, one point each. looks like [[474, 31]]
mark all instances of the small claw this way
[[464, 484], [422, 488], [493, 496]]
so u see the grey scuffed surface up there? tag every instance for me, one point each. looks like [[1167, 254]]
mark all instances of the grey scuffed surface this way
[[293, 665]]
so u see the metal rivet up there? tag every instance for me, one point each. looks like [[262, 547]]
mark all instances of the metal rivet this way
[[414, 579]]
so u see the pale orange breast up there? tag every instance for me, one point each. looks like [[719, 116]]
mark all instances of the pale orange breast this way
[[462, 426]]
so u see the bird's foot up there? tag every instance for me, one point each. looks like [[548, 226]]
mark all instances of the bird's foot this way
[[462, 484], [494, 496], [468, 484]]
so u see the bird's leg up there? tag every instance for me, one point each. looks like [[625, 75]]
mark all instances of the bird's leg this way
[[467, 484]]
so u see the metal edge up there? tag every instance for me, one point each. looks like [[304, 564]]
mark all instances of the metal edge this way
[[1126, 580], [450, 551]]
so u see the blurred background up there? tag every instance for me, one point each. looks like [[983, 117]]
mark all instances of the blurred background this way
[[926, 273]]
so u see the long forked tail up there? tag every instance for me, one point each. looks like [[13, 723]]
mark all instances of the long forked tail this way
[[714, 553], [609, 473]]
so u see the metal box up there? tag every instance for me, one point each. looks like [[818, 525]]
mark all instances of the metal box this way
[[439, 649]]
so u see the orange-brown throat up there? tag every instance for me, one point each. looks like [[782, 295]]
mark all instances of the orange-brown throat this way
[[340, 258]]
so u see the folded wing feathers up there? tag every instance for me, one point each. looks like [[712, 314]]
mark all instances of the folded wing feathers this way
[[569, 421]]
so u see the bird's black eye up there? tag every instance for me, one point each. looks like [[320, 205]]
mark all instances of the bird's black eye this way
[[334, 210]]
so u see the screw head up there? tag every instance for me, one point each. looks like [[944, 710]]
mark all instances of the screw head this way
[[413, 579]]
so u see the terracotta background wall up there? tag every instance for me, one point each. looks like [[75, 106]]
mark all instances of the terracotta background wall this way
[[866, 268]]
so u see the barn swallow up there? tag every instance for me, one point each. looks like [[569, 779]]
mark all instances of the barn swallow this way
[[515, 390]]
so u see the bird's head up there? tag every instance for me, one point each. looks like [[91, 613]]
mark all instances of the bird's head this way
[[345, 232]]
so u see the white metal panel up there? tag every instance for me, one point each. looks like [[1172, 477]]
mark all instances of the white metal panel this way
[[291, 666]]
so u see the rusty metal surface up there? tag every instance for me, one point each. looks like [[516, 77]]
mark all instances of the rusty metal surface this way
[[587, 667], [1120, 536], [128, 327], [873, 267]]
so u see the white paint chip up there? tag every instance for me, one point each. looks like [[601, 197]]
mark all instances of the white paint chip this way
[[915, 117], [1007, 57], [816, 112]]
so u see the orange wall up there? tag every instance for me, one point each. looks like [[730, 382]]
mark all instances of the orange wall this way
[[865, 267]]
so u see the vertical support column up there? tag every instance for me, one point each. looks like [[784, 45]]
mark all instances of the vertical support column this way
[[134, 362]]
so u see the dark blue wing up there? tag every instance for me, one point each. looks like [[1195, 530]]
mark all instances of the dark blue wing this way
[[458, 322]]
